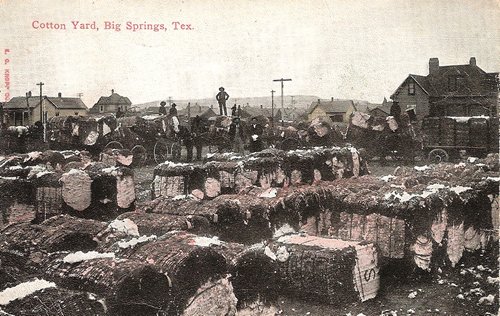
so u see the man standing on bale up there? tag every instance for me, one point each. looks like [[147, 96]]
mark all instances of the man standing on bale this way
[[173, 110], [256, 131], [162, 110], [236, 136], [222, 97]]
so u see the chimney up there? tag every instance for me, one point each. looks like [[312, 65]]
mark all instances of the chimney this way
[[29, 94], [59, 95], [433, 65], [332, 99], [261, 106], [472, 61], [112, 91], [211, 106], [318, 101]]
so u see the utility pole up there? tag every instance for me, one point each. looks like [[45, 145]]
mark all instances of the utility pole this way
[[292, 101], [41, 110], [41, 107], [28, 106], [282, 80], [272, 108], [80, 95]]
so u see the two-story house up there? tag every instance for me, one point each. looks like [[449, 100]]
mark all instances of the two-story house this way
[[111, 104], [456, 90]]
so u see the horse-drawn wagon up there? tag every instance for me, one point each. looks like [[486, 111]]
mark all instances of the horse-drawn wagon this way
[[446, 137], [384, 137], [137, 137]]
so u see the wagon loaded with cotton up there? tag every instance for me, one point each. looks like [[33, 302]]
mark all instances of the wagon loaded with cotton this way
[[98, 135], [446, 137], [124, 141], [384, 137]]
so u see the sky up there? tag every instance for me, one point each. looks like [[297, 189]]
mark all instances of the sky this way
[[351, 49]]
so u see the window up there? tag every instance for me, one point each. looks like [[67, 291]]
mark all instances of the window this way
[[101, 108], [76, 113], [411, 88], [57, 113], [337, 118]]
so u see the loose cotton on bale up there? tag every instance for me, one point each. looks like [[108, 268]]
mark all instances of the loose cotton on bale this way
[[329, 270]]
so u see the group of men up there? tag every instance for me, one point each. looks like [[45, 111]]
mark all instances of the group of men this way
[[238, 135]]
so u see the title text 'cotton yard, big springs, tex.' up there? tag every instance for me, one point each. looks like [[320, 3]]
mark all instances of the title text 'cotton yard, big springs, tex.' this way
[[112, 26]]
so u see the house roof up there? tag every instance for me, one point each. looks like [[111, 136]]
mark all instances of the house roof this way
[[59, 103], [335, 106], [20, 102], [196, 110], [68, 103], [436, 83], [386, 108], [424, 83], [114, 98], [364, 107]]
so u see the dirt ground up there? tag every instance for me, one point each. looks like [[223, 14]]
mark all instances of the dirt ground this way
[[456, 291]]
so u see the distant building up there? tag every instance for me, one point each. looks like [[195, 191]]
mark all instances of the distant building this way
[[333, 110], [111, 104], [247, 112], [202, 111], [456, 90], [382, 110], [16, 110]]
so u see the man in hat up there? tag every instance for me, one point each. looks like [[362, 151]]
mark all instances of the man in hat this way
[[222, 97], [256, 130], [236, 136], [162, 110], [173, 110]]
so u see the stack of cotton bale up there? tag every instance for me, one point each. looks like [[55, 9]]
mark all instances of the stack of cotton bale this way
[[177, 273], [417, 210], [10, 164], [226, 174], [38, 192], [239, 218]]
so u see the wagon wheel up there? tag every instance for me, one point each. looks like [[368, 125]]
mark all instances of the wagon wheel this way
[[438, 155], [140, 155], [161, 151], [114, 145]]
